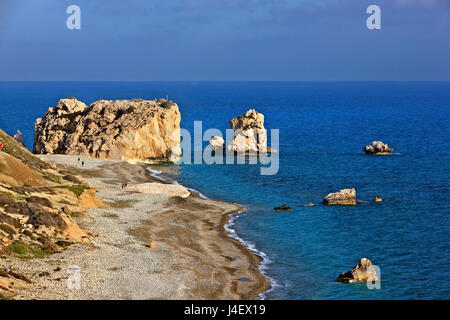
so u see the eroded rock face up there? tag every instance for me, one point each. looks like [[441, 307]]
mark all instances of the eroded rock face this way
[[377, 147], [250, 134], [362, 272], [342, 197], [19, 137], [133, 130], [217, 143]]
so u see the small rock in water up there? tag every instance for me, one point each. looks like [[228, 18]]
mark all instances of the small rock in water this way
[[342, 197], [310, 204], [362, 272], [377, 147], [217, 143], [377, 199], [284, 207]]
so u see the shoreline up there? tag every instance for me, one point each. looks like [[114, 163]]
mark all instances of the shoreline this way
[[194, 257], [264, 259]]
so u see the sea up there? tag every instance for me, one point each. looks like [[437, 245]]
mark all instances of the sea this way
[[323, 128]]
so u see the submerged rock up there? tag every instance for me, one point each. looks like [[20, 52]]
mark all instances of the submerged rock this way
[[250, 136], [284, 207], [362, 272], [342, 197], [377, 147], [132, 130], [309, 204]]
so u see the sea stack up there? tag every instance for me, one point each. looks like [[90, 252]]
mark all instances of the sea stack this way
[[250, 136], [377, 147], [131, 130], [342, 197], [362, 272], [217, 144]]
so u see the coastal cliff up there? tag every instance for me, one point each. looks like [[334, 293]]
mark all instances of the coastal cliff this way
[[131, 130]]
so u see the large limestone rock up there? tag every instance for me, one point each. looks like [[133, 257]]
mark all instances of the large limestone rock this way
[[343, 197], [250, 134], [377, 147], [362, 272], [132, 130]]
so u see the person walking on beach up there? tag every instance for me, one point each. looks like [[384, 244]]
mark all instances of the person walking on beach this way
[[78, 161], [82, 163]]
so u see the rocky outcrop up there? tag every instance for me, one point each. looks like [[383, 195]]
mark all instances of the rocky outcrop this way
[[132, 130], [19, 137], [362, 272], [250, 136], [284, 207], [217, 144], [342, 197], [377, 147]]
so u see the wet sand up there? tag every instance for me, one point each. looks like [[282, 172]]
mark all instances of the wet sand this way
[[193, 257]]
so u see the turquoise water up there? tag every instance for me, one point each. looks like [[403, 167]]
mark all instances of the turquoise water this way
[[323, 128]]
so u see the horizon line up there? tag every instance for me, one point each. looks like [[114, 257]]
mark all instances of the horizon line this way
[[43, 81]]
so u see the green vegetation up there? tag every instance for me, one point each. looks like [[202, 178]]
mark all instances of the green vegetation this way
[[8, 229], [28, 233], [2, 167], [51, 177], [18, 247], [29, 251], [41, 251], [76, 189]]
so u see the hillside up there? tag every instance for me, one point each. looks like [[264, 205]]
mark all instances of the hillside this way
[[38, 201]]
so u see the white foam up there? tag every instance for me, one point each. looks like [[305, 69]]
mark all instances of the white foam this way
[[252, 247]]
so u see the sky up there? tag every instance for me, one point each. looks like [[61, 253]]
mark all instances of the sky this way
[[224, 40]]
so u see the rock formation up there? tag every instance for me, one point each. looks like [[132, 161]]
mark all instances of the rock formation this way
[[378, 199], [250, 134], [343, 197], [217, 144], [19, 137], [133, 130], [362, 272], [377, 147], [284, 207]]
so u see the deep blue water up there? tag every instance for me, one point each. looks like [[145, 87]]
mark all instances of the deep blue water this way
[[323, 128]]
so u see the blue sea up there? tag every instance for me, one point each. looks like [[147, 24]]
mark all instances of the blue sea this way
[[323, 129]]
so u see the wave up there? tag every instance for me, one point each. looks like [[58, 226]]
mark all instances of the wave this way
[[274, 285], [232, 234]]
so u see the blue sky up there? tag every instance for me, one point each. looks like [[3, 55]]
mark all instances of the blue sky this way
[[215, 40]]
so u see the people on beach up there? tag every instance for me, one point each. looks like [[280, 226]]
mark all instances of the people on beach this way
[[79, 161], [82, 163]]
